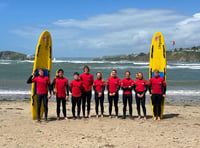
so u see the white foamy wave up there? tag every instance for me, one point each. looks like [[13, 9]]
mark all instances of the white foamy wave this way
[[27, 61], [141, 63], [182, 67], [121, 67], [4, 63], [14, 92]]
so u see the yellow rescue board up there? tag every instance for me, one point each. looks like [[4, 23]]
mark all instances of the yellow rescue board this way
[[158, 61], [43, 59]]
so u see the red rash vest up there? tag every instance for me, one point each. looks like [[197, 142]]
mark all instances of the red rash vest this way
[[87, 81], [76, 86], [113, 84], [60, 84], [99, 84], [156, 84], [140, 85], [126, 83], [42, 83]]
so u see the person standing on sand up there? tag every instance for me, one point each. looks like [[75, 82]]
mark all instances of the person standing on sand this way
[[87, 80], [127, 86], [76, 87], [157, 90], [42, 83], [61, 90], [99, 87], [140, 88], [113, 87]]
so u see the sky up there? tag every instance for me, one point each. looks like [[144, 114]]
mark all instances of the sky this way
[[95, 28]]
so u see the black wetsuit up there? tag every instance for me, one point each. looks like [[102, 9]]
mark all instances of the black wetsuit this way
[[99, 99], [115, 98]]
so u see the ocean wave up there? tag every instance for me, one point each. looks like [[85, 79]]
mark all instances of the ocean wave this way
[[169, 92], [182, 67], [120, 67]]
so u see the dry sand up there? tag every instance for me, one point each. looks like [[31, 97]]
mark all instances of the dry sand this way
[[179, 128]]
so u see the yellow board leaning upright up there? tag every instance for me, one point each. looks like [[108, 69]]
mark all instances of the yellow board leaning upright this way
[[158, 61], [43, 59]]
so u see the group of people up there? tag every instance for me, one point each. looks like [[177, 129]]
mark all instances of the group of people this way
[[81, 92]]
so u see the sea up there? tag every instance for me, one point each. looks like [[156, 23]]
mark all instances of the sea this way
[[183, 79]]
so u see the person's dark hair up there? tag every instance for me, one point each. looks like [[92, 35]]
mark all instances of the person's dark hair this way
[[76, 73], [114, 70], [60, 70], [85, 68], [128, 72], [40, 69]]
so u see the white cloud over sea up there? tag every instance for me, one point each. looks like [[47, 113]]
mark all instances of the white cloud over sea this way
[[122, 32]]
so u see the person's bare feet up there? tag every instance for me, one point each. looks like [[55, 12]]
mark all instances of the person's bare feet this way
[[66, 118], [154, 118], [145, 118], [97, 116], [116, 117], [101, 116], [110, 117], [58, 118], [139, 117], [83, 116], [158, 118], [89, 116]]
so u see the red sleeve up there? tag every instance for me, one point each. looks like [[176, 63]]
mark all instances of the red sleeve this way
[[94, 83], [71, 84], [48, 80], [119, 82], [132, 84], [150, 82], [122, 83], [81, 77], [145, 82], [108, 81], [54, 81], [92, 78], [66, 83], [164, 83], [34, 79], [103, 82]]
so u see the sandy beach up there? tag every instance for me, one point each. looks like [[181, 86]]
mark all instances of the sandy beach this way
[[179, 128]]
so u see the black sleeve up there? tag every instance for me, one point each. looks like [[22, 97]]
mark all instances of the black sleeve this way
[[49, 85], [108, 89], [70, 90], [134, 88], [67, 90], [146, 88], [149, 89], [164, 89], [118, 88], [103, 90], [94, 87], [29, 80]]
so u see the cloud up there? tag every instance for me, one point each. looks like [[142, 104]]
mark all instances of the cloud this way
[[122, 32]]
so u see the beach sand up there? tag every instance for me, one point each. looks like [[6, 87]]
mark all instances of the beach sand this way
[[179, 128]]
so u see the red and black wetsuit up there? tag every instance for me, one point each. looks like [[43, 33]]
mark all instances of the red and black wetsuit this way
[[113, 86], [127, 86], [42, 83], [87, 80], [61, 85], [76, 87], [99, 86], [140, 87], [157, 87]]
